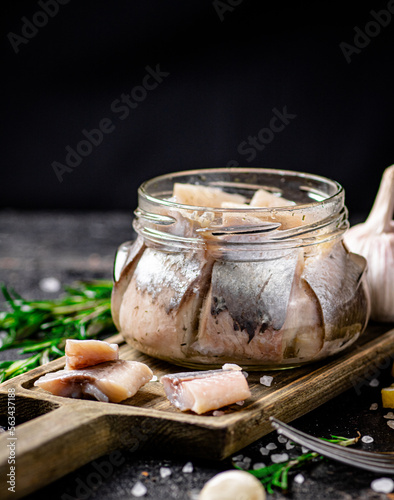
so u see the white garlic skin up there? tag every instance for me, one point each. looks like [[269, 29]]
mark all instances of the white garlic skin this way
[[374, 240], [233, 485], [378, 249]]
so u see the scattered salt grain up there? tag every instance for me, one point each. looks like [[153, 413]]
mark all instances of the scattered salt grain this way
[[374, 382], [187, 468], [258, 465], [266, 380], [279, 457], [138, 490], [154, 378], [231, 366], [264, 451], [289, 446], [218, 413], [383, 485], [374, 406], [390, 415], [390, 423], [240, 403], [271, 446], [299, 479], [240, 465], [367, 439], [247, 461], [237, 458], [282, 439], [165, 472], [50, 285], [305, 450], [194, 494]]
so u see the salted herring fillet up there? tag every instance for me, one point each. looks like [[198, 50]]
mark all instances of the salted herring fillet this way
[[206, 390], [112, 381], [84, 353]]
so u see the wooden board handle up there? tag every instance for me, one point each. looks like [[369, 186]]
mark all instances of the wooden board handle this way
[[43, 443]]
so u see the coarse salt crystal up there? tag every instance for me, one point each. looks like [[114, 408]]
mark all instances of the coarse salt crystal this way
[[240, 403], [218, 413], [264, 451], [279, 457], [50, 285], [383, 485], [165, 472], [374, 382], [299, 479], [289, 446], [282, 439], [258, 465], [305, 450], [187, 468], [237, 458], [240, 465], [390, 415], [138, 490], [390, 423], [367, 439], [271, 446], [231, 366], [154, 378], [374, 406], [266, 380]]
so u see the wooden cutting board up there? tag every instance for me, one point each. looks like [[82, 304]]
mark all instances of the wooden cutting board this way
[[55, 435]]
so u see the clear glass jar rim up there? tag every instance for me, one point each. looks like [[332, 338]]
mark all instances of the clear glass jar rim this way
[[143, 191]]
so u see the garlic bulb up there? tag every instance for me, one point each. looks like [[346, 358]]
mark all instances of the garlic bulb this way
[[374, 239], [232, 485]]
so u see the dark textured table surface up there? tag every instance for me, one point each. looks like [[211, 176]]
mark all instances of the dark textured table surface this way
[[73, 246]]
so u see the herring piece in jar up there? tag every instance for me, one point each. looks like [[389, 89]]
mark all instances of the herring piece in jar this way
[[207, 390], [263, 198], [303, 331], [337, 278], [203, 196], [246, 308], [112, 381], [83, 353], [160, 307], [127, 258]]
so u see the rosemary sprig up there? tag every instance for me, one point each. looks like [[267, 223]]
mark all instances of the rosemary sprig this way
[[277, 475], [42, 327]]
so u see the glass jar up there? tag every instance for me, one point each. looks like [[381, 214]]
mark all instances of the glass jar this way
[[265, 288]]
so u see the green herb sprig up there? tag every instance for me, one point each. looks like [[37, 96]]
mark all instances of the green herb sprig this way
[[277, 475], [42, 327]]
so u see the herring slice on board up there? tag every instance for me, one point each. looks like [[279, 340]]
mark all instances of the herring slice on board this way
[[83, 353], [207, 390], [113, 381]]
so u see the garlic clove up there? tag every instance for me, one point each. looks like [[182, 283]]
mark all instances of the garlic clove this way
[[374, 239], [233, 484]]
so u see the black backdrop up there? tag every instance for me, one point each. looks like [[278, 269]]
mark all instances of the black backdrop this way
[[226, 68]]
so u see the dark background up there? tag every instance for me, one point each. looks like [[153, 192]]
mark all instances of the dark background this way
[[225, 77]]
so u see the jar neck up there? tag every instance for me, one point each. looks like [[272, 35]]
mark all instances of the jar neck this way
[[249, 230]]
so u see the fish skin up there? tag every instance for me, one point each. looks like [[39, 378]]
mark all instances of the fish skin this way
[[246, 307], [113, 381], [135, 252], [159, 311], [337, 278], [84, 353], [303, 331], [205, 391]]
